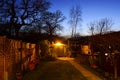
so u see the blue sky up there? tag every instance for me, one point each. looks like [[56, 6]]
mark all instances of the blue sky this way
[[92, 10]]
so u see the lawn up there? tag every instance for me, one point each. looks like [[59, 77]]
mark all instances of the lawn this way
[[54, 70]]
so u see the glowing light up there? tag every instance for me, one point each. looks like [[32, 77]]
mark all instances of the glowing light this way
[[106, 54], [58, 44]]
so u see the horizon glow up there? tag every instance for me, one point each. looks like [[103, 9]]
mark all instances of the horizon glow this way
[[92, 10]]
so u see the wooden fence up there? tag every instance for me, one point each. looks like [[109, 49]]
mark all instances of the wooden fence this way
[[14, 57]]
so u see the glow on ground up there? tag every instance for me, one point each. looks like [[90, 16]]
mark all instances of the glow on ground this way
[[65, 58]]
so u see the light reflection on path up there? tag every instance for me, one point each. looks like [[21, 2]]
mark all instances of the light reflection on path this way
[[65, 58], [89, 75]]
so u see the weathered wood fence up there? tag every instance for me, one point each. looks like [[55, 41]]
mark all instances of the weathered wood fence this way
[[14, 57]]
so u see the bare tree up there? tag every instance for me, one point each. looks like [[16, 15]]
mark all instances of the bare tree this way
[[104, 25], [91, 27], [52, 22], [100, 27], [22, 12], [75, 19]]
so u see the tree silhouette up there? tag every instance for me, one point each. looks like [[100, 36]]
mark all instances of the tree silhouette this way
[[101, 27], [75, 19], [52, 22], [21, 12]]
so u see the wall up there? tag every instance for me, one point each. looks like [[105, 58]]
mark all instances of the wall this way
[[58, 50], [85, 49]]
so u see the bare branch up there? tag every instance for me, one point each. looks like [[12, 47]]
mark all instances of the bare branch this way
[[75, 19], [101, 27]]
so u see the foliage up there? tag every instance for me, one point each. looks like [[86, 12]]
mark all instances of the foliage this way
[[44, 46], [45, 54]]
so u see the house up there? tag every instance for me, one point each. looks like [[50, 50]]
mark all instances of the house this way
[[108, 48], [103, 51], [79, 45]]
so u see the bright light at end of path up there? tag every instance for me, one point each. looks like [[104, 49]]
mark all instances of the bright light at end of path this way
[[58, 44], [106, 54]]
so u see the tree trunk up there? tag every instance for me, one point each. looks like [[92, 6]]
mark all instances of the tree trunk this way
[[17, 28]]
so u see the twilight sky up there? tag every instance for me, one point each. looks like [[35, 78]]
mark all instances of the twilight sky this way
[[92, 10]]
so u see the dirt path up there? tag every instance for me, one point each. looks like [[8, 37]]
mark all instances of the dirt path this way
[[54, 70], [89, 75]]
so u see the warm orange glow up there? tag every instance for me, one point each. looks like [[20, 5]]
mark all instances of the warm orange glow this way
[[58, 44]]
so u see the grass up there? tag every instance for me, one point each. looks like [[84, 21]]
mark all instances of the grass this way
[[55, 70]]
